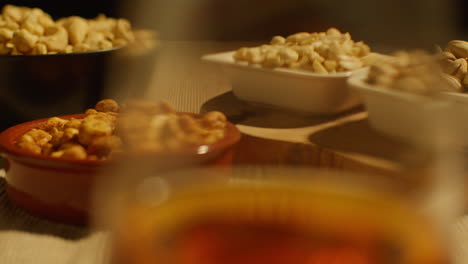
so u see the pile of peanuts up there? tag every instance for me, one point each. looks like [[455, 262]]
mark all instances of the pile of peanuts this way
[[454, 62], [91, 137], [31, 31], [109, 129], [324, 52], [417, 72]]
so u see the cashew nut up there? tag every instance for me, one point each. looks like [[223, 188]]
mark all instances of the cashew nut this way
[[123, 29], [5, 34], [40, 49], [24, 41], [55, 38], [77, 29], [13, 12]]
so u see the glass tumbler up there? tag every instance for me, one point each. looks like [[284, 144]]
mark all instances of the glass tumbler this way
[[265, 215]]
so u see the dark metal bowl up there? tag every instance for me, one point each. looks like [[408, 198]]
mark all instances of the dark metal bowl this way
[[34, 86]]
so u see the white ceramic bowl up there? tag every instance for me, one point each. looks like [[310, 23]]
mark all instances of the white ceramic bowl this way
[[412, 118], [296, 90]]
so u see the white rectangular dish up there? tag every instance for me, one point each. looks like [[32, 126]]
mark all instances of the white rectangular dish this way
[[420, 120], [301, 91]]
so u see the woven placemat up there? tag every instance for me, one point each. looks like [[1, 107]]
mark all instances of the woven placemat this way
[[28, 239], [25, 239]]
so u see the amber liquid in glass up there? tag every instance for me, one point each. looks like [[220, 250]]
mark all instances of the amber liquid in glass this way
[[274, 226]]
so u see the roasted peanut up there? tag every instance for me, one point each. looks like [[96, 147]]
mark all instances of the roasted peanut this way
[[142, 126]]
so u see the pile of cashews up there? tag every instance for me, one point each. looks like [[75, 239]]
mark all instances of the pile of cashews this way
[[31, 31]]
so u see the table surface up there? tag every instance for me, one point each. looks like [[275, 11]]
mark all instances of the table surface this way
[[270, 137]]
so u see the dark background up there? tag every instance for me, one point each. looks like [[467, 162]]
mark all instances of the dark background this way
[[399, 23]]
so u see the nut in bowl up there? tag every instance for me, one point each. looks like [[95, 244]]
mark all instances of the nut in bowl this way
[[57, 67], [53, 163], [304, 72], [405, 97]]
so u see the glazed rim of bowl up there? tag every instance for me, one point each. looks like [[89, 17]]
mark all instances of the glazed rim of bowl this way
[[9, 137]]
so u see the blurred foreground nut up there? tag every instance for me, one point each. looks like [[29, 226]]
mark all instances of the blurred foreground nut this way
[[410, 84], [149, 108], [214, 119], [453, 83]]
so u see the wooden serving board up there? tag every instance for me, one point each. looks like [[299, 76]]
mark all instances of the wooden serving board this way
[[345, 141], [273, 137]]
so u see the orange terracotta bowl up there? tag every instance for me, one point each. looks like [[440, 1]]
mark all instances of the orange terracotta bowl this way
[[60, 189]]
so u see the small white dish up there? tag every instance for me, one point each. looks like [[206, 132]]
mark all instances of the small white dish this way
[[297, 90], [421, 120]]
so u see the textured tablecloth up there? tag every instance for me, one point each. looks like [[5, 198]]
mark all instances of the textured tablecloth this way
[[28, 239], [25, 239]]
